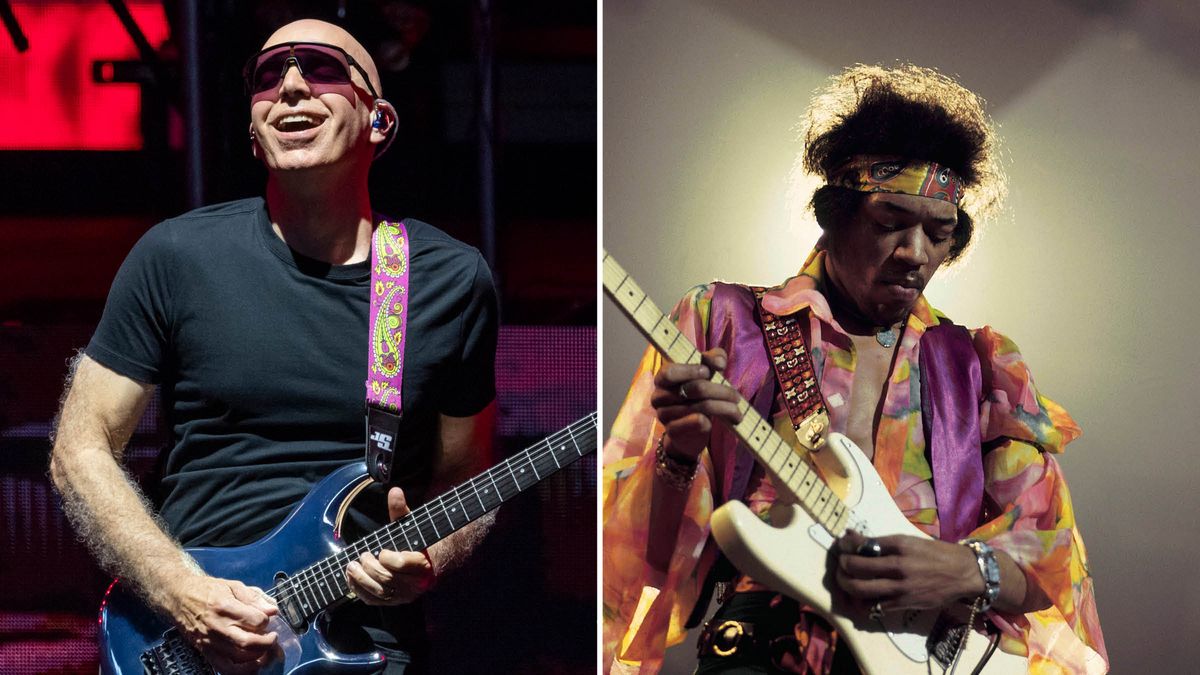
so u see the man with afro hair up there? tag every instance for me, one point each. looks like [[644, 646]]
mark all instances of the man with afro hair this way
[[949, 417]]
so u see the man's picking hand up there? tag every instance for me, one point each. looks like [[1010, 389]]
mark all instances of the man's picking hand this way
[[227, 621], [910, 573]]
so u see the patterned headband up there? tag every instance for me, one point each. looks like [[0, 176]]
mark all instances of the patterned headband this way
[[867, 173]]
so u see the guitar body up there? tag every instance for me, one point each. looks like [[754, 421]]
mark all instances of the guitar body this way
[[307, 546], [792, 553], [308, 534], [784, 553]]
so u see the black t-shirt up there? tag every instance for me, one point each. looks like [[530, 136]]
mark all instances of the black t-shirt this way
[[261, 355]]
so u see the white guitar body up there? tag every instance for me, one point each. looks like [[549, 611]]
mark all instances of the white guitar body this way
[[792, 553], [786, 554]]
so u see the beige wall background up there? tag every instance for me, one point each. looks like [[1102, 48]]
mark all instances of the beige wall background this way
[[1092, 270]]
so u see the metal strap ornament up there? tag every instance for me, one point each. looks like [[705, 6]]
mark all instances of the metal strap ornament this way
[[869, 173], [385, 359]]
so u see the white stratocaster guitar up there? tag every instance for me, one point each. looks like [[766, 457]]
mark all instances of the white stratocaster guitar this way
[[791, 554]]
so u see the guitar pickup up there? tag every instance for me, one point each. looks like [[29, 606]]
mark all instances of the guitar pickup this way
[[290, 603], [291, 612]]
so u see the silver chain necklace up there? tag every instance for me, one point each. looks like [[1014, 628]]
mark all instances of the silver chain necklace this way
[[886, 337]]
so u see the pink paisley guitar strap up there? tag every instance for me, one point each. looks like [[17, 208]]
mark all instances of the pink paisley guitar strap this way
[[390, 295]]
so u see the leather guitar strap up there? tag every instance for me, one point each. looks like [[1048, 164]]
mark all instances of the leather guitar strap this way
[[792, 361], [390, 295], [951, 390]]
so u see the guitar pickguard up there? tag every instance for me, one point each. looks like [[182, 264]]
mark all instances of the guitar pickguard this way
[[791, 554]]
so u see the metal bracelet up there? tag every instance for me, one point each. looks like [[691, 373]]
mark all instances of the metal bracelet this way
[[985, 557]]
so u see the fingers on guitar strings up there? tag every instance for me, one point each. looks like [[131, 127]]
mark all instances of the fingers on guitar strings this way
[[674, 374]]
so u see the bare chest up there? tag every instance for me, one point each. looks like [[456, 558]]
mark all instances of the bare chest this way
[[867, 389]]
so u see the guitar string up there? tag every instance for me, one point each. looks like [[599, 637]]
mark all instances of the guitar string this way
[[535, 456], [336, 563], [824, 516], [849, 514], [310, 578], [834, 502], [292, 587], [637, 297], [425, 515], [374, 540]]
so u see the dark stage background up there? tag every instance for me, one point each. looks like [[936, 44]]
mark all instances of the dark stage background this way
[[98, 141]]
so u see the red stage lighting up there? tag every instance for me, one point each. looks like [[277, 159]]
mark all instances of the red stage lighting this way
[[48, 97]]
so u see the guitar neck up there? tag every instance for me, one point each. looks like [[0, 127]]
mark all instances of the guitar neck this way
[[787, 467], [324, 583]]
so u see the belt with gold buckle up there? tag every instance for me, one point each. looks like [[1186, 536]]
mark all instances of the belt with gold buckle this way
[[726, 638]]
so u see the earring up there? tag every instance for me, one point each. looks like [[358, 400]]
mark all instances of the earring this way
[[253, 136]]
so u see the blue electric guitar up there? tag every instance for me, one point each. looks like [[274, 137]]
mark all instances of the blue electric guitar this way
[[302, 562]]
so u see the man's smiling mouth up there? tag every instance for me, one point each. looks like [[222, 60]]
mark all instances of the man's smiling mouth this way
[[293, 122]]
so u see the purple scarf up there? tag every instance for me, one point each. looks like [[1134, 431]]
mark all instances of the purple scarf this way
[[951, 388]]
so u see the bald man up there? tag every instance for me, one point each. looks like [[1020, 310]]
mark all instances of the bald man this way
[[252, 319]]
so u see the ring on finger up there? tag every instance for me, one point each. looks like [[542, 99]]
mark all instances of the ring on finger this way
[[870, 548], [683, 391]]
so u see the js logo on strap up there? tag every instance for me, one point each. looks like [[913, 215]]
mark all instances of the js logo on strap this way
[[382, 441]]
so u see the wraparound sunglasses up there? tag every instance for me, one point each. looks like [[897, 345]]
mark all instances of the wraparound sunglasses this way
[[326, 68]]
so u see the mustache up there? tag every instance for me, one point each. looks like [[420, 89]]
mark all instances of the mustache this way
[[910, 279]]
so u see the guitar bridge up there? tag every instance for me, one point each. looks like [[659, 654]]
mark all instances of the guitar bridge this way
[[174, 656], [944, 640]]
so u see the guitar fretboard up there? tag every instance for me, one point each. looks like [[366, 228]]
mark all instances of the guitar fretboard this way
[[787, 467], [322, 584]]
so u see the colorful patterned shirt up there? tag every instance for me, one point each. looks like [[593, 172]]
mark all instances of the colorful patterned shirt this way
[[1028, 512]]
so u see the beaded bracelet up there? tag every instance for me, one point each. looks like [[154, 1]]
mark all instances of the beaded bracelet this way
[[672, 472]]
